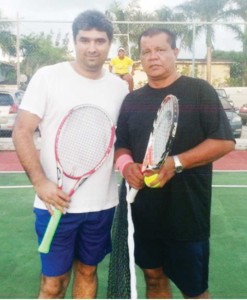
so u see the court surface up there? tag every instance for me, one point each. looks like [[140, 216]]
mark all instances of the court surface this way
[[19, 261]]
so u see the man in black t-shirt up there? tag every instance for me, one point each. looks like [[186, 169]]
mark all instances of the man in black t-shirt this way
[[172, 223]]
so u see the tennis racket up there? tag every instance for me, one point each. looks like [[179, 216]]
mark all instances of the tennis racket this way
[[83, 141], [160, 139]]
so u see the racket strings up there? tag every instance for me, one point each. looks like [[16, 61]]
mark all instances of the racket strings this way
[[83, 140], [162, 131]]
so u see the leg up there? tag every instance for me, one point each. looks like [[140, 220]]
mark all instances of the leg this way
[[53, 287], [85, 281], [129, 79], [187, 266], [93, 243], [158, 285], [204, 295]]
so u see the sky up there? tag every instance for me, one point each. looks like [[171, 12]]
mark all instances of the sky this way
[[67, 10]]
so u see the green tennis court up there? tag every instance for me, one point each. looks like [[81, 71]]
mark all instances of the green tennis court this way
[[19, 261]]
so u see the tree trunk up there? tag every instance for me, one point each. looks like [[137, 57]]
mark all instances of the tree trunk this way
[[209, 61]]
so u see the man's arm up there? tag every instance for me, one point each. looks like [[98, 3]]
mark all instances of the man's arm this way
[[25, 126], [131, 171], [206, 152], [133, 68]]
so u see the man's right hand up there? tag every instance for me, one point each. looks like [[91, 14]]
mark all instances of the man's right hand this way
[[132, 173], [52, 196]]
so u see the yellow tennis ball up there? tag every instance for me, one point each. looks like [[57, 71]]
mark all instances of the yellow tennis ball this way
[[149, 179]]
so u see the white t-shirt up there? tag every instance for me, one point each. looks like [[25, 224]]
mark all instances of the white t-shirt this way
[[51, 93]]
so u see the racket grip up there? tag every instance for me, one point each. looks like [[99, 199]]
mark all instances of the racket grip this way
[[45, 245], [131, 195]]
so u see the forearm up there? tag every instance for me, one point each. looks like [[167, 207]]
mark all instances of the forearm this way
[[206, 152], [25, 126], [121, 151], [130, 170], [28, 156]]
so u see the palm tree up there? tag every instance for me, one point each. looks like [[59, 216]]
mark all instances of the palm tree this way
[[239, 10], [132, 12], [206, 12], [7, 39]]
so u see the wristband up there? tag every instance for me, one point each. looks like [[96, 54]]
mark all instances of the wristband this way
[[122, 161]]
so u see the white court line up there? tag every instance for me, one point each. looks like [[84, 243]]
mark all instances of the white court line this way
[[12, 172], [229, 171], [31, 186], [229, 186], [15, 186]]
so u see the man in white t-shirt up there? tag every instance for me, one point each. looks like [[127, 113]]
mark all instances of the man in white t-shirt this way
[[83, 236]]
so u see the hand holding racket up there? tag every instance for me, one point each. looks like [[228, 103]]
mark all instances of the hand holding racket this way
[[160, 139], [84, 139]]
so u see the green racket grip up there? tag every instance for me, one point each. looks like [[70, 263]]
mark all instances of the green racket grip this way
[[45, 245]]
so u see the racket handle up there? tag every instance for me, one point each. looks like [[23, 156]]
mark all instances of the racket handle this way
[[45, 245], [131, 195]]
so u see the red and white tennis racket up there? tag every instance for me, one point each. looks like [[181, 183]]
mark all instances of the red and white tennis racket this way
[[160, 139], [84, 139]]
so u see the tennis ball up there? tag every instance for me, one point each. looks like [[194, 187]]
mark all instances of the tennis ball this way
[[149, 179]]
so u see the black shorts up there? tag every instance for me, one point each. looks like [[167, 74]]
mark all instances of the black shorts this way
[[185, 263]]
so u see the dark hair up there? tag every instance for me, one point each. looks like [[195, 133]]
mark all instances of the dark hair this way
[[154, 31], [91, 19]]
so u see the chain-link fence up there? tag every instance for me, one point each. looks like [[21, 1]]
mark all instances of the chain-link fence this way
[[26, 45]]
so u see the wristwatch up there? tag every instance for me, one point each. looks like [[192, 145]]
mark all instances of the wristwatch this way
[[178, 166]]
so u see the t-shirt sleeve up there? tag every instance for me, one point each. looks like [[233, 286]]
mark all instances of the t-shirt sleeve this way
[[112, 62], [122, 135], [34, 99], [213, 118], [131, 62]]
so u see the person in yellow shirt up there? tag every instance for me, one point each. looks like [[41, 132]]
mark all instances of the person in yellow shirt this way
[[122, 66]]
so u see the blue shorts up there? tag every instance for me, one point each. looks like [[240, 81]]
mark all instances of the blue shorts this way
[[82, 236], [185, 263]]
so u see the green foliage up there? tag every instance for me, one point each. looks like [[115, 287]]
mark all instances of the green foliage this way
[[7, 39], [42, 49], [237, 69], [132, 12], [8, 42]]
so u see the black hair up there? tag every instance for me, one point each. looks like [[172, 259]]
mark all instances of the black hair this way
[[154, 31], [91, 19]]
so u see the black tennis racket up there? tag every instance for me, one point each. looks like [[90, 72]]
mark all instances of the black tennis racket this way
[[160, 139]]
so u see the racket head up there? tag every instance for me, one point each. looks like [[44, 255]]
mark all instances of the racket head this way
[[84, 139], [162, 135]]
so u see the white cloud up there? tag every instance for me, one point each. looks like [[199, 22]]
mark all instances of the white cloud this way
[[67, 9], [50, 9], [148, 5]]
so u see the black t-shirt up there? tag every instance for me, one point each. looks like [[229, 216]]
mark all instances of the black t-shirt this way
[[181, 209]]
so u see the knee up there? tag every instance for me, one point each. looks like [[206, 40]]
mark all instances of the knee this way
[[86, 271], [54, 287], [154, 276]]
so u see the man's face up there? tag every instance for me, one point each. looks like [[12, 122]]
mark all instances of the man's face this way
[[91, 47], [121, 53], [157, 57]]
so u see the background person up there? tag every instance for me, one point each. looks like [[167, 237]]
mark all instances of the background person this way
[[172, 223], [122, 66], [83, 236]]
